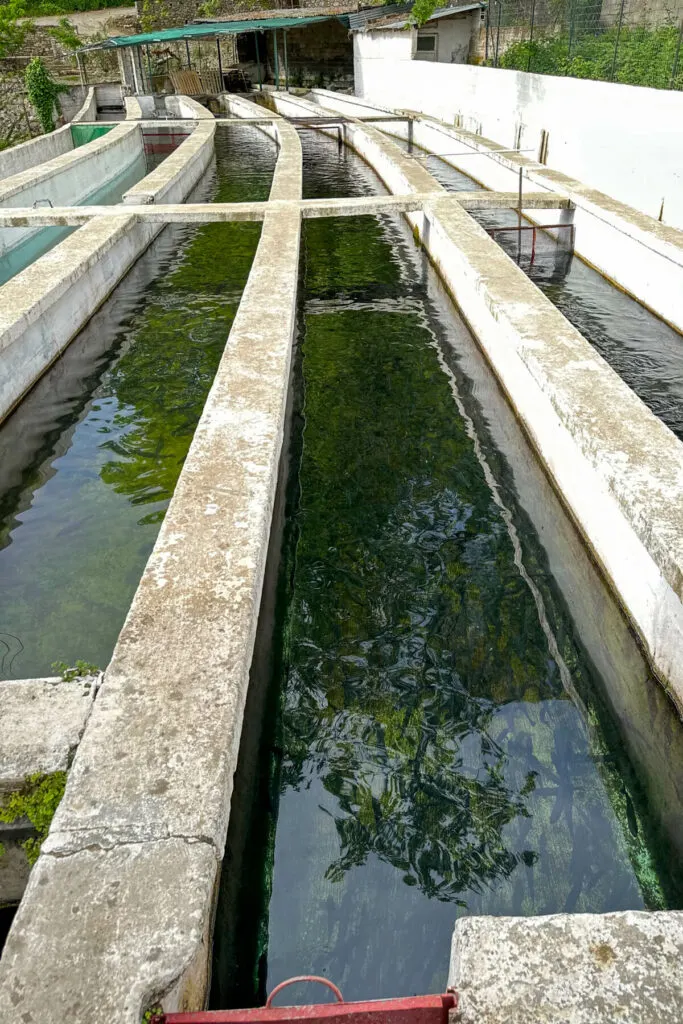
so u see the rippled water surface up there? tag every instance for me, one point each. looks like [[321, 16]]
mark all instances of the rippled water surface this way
[[90, 459], [439, 746]]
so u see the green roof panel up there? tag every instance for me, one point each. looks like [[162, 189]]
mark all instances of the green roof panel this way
[[216, 28]]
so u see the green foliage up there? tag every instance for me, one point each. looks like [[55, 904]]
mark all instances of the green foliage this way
[[422, 11], [154, 1011], [66, 34], [42, 92], [13, 31], [45, 8], [644, 56], [77, 671], [36, 800]]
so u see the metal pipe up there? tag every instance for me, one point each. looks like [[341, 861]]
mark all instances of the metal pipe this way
[[616, 41], [284, 36], [187, 53], [519, 214], [500, 7], [220, 62], [277, 61], [258, 63], [149, 68], [488, 25]]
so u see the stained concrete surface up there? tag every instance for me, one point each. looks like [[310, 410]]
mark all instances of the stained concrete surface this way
[[41, 723], [569, 969]]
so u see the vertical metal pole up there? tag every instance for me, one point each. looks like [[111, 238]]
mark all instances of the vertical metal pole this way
[[571, 30], [616, 41], [220, 62], [81, 69], [187, 54], [258, 63], [488, 23], [500, 8], [149, 68], [531, 33], [678, 53], [284, 36], [277, 61], [519, 215], [410, 135]]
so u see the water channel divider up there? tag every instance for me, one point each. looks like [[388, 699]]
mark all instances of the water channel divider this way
[[616, 467], [207, 213], [118, 912]]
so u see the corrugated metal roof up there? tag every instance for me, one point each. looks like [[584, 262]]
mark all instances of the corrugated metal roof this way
[[216, 28], [365, 21]]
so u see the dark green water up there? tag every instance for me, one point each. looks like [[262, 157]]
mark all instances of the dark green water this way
[[90, 459], [435, 741], [644, 351]]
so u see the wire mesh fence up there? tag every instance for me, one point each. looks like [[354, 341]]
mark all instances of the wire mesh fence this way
[[635, 42]]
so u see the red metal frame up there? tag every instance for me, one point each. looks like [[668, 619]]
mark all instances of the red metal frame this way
[[534, 228], [411, 1010]]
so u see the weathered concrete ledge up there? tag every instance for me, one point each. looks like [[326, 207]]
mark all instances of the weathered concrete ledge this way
[[45, 147], [132, 107], [71, 177], [643, 256], [41, 724], [569, 969], [207, 213], [119, 907], [617, 468], [44, 306]]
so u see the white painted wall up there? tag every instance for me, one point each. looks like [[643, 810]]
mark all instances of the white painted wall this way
[[622, 139], [453, 37]]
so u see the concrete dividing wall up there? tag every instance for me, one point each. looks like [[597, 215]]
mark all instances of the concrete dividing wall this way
[[621, 139], [44, 306], [45, 147], [185, 106], [642, 256], [70, 178], [617, 468], [119, 907]]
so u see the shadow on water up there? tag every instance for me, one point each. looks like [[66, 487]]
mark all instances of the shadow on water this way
[[454, 696], [89, 460]]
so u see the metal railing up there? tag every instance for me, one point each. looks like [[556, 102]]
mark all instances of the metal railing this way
[[635, 42]]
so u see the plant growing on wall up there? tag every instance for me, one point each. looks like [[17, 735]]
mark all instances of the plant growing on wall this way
[[36, 800], [42, 92]]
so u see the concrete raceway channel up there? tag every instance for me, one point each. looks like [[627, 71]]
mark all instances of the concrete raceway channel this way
[[139, 836]]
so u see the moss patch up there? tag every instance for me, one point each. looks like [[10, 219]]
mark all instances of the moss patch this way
[[36, 800]]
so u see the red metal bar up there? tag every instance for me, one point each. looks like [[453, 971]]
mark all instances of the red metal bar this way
[[411, 1010], [533, 244]]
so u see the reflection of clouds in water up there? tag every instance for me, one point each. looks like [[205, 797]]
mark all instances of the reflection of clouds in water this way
[[10, 646]]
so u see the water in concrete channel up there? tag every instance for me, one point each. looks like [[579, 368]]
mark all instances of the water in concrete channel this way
[[89, 460], [437, 737], [644, 351]]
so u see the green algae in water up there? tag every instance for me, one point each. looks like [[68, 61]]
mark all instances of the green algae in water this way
[[437, 751], [75, 536]]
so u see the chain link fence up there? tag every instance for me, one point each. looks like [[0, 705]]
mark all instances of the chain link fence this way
[[635, 42]]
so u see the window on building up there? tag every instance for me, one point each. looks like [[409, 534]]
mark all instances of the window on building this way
[[426, 47]]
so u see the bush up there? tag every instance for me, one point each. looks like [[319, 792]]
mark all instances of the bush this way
[[42, 92], [36, 8], [644, 57]]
